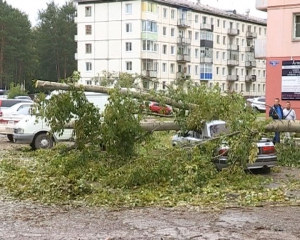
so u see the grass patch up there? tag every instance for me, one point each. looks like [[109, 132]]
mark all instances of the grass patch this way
[[157, 175]]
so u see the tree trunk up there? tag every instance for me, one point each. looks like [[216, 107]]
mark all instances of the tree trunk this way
[[47, 85], [1, 58]]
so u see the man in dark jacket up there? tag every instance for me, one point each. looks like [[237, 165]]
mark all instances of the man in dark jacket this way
[[276, 113]]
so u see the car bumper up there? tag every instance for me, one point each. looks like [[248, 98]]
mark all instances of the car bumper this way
[[261, 162], [23, 138]]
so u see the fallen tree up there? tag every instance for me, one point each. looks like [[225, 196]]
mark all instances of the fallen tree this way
[[47, 85]]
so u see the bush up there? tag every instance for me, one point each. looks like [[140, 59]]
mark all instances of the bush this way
[[16, 90]]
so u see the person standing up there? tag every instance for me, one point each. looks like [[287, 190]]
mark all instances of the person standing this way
[[276, 113], [288, 114]]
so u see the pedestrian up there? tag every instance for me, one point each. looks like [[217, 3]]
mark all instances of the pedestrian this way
[[288, 114], [276, 113]]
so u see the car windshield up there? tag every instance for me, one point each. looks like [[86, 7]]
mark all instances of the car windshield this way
[[218, 129], [24, 111]]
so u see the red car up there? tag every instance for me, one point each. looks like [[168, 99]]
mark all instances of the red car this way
[[157, 108]]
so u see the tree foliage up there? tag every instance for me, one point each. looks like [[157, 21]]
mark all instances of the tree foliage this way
[[16, 49], [54, 41], [16, 90]]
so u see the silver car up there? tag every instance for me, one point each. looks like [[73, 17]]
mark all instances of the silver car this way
[[266, 157]]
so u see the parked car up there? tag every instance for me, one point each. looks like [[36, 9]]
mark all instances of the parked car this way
[[35, 131], [266, 157], [23, 97], [7, 103], [159, 108], [8, 122], [15, 108], [259, 104]]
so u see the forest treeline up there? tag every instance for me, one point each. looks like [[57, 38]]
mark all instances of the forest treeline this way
[[45, 51]]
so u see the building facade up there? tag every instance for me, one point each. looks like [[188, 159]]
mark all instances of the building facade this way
[[281, 50], [167, 40]]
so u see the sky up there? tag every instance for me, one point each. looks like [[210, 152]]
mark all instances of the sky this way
[[32, 7]]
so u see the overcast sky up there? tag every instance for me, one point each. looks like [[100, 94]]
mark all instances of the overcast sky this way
[[31, 7]]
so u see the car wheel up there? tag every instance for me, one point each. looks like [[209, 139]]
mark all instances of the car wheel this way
[[266, 170], [43, 140], [10, 137]]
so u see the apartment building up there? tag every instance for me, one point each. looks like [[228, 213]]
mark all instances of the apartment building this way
[[167, 40], [281, 51]]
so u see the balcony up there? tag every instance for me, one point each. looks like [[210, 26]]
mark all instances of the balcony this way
[[182, 75], [149, 73], [250, 78], [183, 23], [260, 48], [183, 41], [206, 60], [233, 31], [149, 55], [232, 63], [249, 49], [250, 64], [232, 77], [183, 58], [261, 5], [207, 26], [251, 34], [233, 47]]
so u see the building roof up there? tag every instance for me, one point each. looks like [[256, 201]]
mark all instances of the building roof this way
[[232, 14]]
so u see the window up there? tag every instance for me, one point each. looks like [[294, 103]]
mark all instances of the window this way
[[128, 8], [223, 86], [164, 49], [218, 39], [149, 26], [258, 73], [224, 24], [172, 32], [212, 21], [242, 58], [196, 18], [172, 66], [149, 7], [196, 69], [236, 87], [204, 19], [88, 66], [128, 46], [164, 85], [218, 22], [164, 31], [264, 86], [88, 82], [129, 66], [243, 42], [297, 26], [149, 45], [189, 69], [264, 73], [128, 27], [172, 13], [259, 31], [253, 87], [88, 29], [242, 87], [165, 12], [217, 55], [243, 27], [265, 31], [242, 72], [224, 40], [258, 87], [196, 53], [196, 36], [88, 11], [223, 71], [217, 70], [172, 50], [206, 35], [164, 67], [88, 48], [224, 56]]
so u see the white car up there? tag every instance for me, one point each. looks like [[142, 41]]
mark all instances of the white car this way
[[8, 122], [15, 108], [259, 104]]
